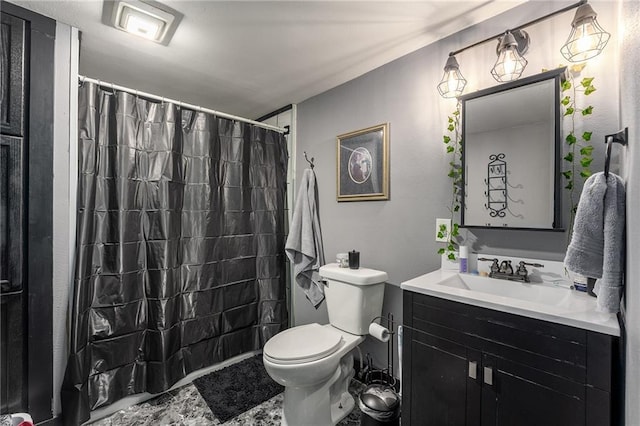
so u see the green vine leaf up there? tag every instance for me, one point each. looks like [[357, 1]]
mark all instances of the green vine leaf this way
[[441, 251], [451, 256], [569, 157], [446, 139], [589, 90], [586, 150], [451, 127], [567, 174], [588, 110], [569, 185], [450, 149], [586, 161], [456, 112], [587, 137], [586, 82], [566, 85], [565, 101], [456, 208], [571, 139], [569, 111], [585, 173]]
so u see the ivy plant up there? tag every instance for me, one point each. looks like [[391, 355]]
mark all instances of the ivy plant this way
[[578, 157], [453, 141]]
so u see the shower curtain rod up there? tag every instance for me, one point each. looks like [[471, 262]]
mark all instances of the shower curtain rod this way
[[82, 78]]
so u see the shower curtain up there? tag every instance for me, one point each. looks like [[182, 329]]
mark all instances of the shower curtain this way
[[180, 246]]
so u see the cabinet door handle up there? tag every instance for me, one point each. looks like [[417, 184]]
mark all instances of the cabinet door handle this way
[[488, 376], [473, 369]]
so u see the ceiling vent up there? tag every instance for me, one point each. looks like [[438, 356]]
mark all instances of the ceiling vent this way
[[147, 19]]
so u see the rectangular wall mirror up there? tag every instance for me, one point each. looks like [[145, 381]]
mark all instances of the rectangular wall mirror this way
[[512, 153]]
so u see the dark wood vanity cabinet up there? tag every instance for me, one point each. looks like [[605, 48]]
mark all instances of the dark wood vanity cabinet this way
[[469, 366]]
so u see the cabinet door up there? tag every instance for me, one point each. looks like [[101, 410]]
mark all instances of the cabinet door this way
[[514, 394], [445, 388]]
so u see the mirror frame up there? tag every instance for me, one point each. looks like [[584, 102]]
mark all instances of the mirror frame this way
[[559, 75]]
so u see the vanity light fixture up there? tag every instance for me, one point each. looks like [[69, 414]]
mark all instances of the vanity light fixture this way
[[144, 18], [587, 38], [452, 83], [510, 63]]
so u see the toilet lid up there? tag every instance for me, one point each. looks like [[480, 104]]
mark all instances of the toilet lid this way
[[304, 343]]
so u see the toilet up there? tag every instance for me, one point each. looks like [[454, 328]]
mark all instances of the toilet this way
[[315, 362]]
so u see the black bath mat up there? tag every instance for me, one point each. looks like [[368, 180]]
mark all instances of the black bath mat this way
[[237, 388]]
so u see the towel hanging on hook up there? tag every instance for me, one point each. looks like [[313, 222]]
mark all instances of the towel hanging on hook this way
[[620, 137]]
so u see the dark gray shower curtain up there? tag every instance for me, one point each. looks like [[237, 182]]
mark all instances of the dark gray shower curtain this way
[[180, 246]]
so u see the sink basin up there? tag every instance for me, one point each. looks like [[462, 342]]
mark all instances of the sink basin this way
[[536, 293], [546, 301]]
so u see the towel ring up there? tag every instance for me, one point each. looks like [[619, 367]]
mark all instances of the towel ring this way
[[620, 137]]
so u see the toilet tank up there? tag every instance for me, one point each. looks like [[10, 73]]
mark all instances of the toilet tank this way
[[354, 297]]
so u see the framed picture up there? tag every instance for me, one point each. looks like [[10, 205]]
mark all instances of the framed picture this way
[[363, 164]]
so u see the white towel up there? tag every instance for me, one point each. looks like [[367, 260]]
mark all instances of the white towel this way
[[598, 241], [304, 243]]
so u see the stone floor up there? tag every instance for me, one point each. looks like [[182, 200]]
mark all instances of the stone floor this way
[[185, 406]]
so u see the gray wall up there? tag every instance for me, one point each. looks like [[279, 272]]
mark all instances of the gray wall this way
[[397, 236], [630, 109]]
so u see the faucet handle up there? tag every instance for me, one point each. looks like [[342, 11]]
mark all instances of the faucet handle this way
[[535, 265], [494, 266], [522, 269]]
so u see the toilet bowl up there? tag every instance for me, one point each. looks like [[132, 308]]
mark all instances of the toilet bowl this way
[[315, 365], [314, 362]]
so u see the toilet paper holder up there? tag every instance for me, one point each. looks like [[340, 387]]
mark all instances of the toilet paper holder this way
[[384, 375]]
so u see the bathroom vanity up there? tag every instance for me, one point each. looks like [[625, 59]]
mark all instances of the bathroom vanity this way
[[479, 351]]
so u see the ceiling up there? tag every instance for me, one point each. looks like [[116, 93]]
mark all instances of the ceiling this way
[[250, 58]]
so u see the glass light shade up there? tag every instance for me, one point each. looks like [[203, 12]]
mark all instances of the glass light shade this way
[[510, 63], [143, 25], [452, 83], [587, 38]]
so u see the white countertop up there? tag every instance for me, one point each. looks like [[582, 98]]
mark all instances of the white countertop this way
[[569, 307]]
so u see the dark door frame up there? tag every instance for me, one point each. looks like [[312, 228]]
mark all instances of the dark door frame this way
[[38, 260]]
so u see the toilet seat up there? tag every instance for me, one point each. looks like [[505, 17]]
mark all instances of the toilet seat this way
[[304, 343]]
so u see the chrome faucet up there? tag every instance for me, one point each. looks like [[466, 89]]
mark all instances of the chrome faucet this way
[[504, 270]]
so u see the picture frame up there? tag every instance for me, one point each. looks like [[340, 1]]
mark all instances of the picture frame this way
[[363, 164]]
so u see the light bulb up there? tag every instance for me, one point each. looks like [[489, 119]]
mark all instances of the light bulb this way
[[452, 82], [509, 63]]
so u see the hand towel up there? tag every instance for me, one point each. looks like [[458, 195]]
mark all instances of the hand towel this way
[[304, 243], [598, 241]]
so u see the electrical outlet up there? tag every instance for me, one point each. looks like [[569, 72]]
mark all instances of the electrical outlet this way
[[443, 230]]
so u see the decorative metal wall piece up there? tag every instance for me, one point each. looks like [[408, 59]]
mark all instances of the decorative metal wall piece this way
[[496, 193]]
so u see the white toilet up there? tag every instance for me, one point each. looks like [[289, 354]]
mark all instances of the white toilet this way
[[314, 362]]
